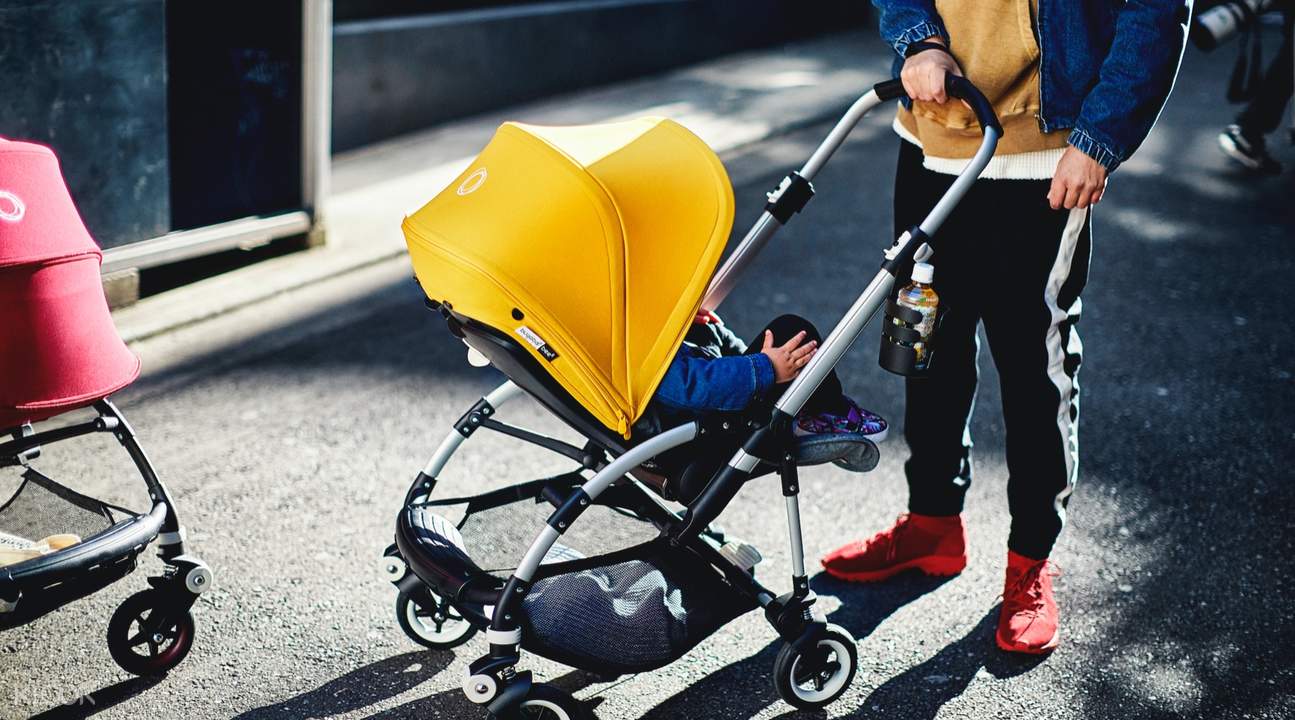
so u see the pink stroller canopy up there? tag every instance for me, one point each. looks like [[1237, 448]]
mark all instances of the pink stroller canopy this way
[[58, 347]]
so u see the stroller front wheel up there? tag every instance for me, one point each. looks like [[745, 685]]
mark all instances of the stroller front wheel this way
[[814, 676], [439, 627], [545, 702], [146, 637]]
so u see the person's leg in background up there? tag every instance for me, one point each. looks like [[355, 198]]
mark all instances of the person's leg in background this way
[[1264, 113], [1244, 140], [930, 536], [1030, 311]]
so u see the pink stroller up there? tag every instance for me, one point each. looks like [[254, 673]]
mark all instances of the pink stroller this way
[[60, 352]]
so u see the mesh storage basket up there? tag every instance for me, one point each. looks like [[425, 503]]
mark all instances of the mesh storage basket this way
[[41, 507], [629, 611], [613, 595]]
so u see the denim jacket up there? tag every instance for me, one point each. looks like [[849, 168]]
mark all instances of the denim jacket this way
[[700, 379], [1106, 66]]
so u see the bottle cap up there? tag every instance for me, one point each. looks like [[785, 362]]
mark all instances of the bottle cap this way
[[923, 273]]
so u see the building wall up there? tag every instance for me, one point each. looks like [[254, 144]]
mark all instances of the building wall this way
[[404, 73], [88, 78]]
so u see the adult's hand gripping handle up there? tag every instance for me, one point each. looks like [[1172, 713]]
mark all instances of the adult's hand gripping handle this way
[[958, 87]]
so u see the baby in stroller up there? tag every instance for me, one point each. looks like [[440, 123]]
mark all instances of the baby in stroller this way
[[715, 371]]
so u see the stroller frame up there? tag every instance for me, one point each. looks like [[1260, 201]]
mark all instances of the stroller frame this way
[[769, 445], [161, 612]]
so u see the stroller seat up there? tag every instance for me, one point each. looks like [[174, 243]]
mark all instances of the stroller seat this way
[[684, 471], [584, 304]]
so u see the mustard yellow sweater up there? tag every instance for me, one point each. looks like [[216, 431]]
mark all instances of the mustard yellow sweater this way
[[994, 44]]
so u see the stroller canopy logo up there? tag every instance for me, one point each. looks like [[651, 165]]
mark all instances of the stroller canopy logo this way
[[473, 182], [11, 207]]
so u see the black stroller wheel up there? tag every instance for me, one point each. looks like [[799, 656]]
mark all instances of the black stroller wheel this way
[[815, 676], [147, 638], [440, 627], [545, 702]]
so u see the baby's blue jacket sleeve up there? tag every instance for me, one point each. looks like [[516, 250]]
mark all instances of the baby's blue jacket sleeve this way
[[700, 383]]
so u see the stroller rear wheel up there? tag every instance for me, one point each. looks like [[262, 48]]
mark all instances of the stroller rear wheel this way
[[814, 676], [146, 637], [545, 702], [439, 626]]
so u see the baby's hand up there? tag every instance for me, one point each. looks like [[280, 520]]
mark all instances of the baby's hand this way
[[789, 359], [706, 317]]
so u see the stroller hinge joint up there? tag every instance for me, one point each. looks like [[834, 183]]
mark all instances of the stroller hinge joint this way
[[24, 457], [905, 247], [789, 198], [571, 508], [791, 614], [474, 418], [789, 476]]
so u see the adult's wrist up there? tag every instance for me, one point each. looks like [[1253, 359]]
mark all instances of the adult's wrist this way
[[924, 30], [923, 45], [1090, 146]]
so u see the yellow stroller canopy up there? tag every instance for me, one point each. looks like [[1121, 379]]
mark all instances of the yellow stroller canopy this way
[[590, 245]]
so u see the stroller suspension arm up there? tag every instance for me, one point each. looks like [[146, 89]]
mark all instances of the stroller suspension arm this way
[[503, 620], [484, 407]]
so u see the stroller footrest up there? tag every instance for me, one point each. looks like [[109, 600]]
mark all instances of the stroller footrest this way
[[848, 450], [435, 551]]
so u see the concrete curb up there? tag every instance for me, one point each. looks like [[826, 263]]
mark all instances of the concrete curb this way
[[732, 103]]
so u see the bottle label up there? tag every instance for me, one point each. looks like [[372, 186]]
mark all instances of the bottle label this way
[[924, 328], [927, 326]]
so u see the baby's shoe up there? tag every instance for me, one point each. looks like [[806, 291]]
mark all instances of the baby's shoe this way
[[855, 420]]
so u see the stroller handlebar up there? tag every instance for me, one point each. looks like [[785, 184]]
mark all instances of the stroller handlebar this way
[[961, 88], [797, 188], [956, 86]]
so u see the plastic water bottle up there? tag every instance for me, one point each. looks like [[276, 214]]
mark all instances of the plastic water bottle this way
[[920, 296]]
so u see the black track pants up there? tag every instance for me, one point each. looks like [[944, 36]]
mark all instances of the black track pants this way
[[1008, 260]]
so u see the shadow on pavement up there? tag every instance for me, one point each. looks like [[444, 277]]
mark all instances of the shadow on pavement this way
[[916, 694], [746, 687], [99, 700], [357, 689], [453, 703], [864, 606], [921, 691]]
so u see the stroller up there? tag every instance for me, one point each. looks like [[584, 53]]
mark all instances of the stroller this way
[[638, 584], [59, 352]]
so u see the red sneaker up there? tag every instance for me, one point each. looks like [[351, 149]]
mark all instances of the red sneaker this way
[[1028, 623], [934, 545]]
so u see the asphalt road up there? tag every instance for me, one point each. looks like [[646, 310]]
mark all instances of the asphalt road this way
[[289, 432]]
